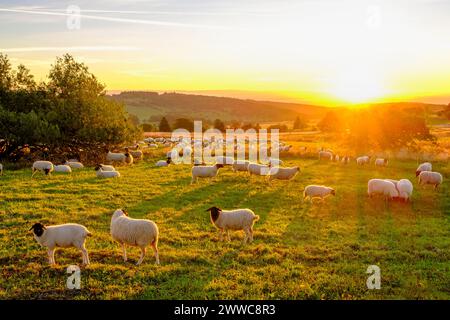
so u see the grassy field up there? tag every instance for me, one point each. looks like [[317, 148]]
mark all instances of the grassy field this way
[[301, 251]]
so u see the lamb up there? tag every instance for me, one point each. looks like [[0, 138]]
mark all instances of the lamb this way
[[64, 236], [106, 167], [327, 155], [205, 171], [315, 191], [430, 177], [380, 162], [240, 219], [283, 173], [74, 164], [383, 187], [362, 160], [258, 169], [134, 232], [163, 163], [43, 166], [240, 165], [426, 166], [405, 189], [106, 174], [63, 168]]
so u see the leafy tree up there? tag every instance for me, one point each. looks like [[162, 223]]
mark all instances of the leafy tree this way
[[164, 125], [330, 122], [6, 76], [134, 119], [148, 127], [299, 124], [184, 123], [219, 125]]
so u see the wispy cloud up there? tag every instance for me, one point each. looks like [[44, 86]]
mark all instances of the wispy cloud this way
[[69, 49]]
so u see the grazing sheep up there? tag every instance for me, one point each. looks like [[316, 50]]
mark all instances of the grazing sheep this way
[[106, 174], [360, 161], [380, 162], [64, 236], [315, 191], [327, 155], [383, 187], [74, 164], [205, 171], [405, 189], [134, 232], [430, 177], [426, 166], [43, 166], [63, 168], [283, 173], [240, 219], [258, 169], [163, 163], [106, 167], [240, 165], [1, 169], [137, 154], [395, 182]]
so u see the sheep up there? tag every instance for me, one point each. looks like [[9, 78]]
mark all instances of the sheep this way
[[63, 168], [119, 157], [1, 169], [137, 154], [380, 162], [43, 166], [106, 167], [362, 160], [163, 163], [240, 219], [64, 236], [205, 171], [327, 155], [426, 166], [106, 174], [74, 164], [283, 173], [430, 177], [383, 187], [134, 232], [315, 191], [395, 182], [258, 169], [405, 189], [240, 165], [345, 160], [152, 145]]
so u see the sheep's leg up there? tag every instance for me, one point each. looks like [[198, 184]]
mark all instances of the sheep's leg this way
[[228, 236], [155, 250], [51, 256], [85, 255], [251, 234], [124, 252], [143, 251], [221, 232], [33, 173]]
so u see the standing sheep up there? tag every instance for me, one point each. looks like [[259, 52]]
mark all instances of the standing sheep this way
[[360, 161], [240, 219], [43, 166], [327, 155], [283, 173], [405, 189], [383, 187], [258, 169], [430, 177], [64, 236], [426, 166], [315, 191], [240, 165], [380, 162], [205, 171], [134, 232]]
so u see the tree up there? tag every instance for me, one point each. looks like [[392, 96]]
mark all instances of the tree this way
[[446, 111], [183, 123], [219, 125], [330, 122], [148, 127], [299, 124], [6, 76], [280, 127], [134, 119], [164, 125], [23, 79]]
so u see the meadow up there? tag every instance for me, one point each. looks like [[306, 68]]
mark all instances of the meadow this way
[[301, 250]]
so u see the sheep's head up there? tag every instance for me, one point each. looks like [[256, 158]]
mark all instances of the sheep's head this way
[[38, 229], [98, 167], [169, 160], [333, 192], [417, 173], [219, 165], [215, 212], [298, 169], [118, 213], [47, 171]]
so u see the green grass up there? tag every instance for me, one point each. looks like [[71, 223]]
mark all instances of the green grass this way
[[301, 251]]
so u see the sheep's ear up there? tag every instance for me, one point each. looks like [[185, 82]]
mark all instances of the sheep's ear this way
[[125, 212], [209, 209]]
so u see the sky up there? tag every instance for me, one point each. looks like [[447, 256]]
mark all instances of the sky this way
[[329, 52]]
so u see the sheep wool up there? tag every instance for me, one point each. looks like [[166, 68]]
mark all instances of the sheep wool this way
[[314, 191], [362, 160], [63, 168], [74, 164], [383, 187], [240, 165], [106, 174], [426, 166], [380, 162], [327, 155], [283, 173], [64, 236], [405, 189], [163, 163], [240, 219], [258, 169], [106, 167], [42, 166], [430, 177], [205, 171], [134, 232]]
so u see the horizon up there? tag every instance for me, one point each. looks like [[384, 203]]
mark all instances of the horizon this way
[[323, 53]]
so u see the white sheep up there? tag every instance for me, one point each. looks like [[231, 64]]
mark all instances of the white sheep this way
[[106, 167], [43, 166], [119, 157], [163, 163], [63, 168], [380, 162], [153, 146], [314, 191], [74, 164], [64, 236], [405, 189], [240, 165], [327, 155], [426, 166], [283, 173], [205, 171], [362, 160], [383, 187], [137, 154], [395, 182], [430, 177], [240, 219], [106, 174], [258, 169], [134, 232]]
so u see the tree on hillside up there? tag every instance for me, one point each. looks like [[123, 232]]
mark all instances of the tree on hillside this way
[[183, 123], [134, 119], [330, 122], [148, 127], [164, 125], [219, 125], [299, 124]]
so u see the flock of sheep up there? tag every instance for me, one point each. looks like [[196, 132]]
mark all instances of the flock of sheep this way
[[142, 232]]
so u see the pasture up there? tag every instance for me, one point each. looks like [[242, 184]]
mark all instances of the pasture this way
[[300, 251]]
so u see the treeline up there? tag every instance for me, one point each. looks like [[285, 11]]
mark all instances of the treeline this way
[[71, 106]]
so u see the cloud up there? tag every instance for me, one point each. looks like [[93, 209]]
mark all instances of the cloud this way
[[69, 49]]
